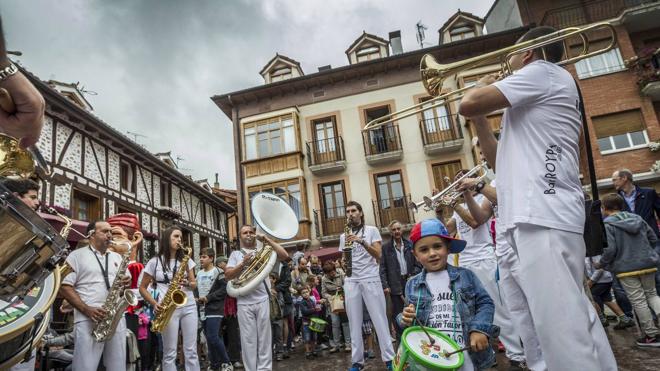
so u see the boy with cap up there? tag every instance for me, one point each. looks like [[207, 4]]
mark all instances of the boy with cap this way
[[443, 291]]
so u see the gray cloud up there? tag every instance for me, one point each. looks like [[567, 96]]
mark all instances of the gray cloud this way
[[154, 64]]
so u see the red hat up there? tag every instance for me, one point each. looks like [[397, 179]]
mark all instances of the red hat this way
[[125, 220], [434, 227]]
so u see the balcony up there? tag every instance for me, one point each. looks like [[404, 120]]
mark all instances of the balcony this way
[[594, 11], [440, 135], [382, 144], [387, 210], [330, 223], [326, 155], [646, 66]]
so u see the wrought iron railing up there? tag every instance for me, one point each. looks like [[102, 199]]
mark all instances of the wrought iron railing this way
[[440, 129], [381, 140], [389, 209], [325, 151]]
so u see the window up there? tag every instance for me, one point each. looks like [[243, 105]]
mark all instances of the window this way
[[270, 137], [165, 194], [436, 118], [324, 131], [368, 53], [280, 74], [85, 206], [620, 131], [127, 174], [600, 64], [384, 138], [288, 190], [333, 204], [461, 32], [203, 243], [390, 190]]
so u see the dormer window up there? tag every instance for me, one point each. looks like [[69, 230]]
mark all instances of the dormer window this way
[[368, 53], [280, 74], [462, 32]]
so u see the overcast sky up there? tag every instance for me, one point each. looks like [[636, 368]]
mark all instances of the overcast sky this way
[[154, 64]]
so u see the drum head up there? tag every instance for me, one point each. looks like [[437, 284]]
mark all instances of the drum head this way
[[417, 343], [27, 242], [17, 318]]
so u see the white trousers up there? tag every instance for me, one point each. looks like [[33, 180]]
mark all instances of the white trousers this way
[[486, 270], [551, 273], [256, 336], [87, 351], [371, 293], [186, 319], [516, 302]]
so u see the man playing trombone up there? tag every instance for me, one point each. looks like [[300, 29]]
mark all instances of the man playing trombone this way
[[540, 199]]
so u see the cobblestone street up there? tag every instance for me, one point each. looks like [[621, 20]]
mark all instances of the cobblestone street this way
[[629, 357]]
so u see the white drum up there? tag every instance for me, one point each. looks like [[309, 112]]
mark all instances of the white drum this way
[[417, 354]]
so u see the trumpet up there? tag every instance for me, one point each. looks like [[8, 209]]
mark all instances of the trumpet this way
[[434, 74], [451, 194]]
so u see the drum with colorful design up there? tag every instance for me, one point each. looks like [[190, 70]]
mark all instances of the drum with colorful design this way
[[417, 354]]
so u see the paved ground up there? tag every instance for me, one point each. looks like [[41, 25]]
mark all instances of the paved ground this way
[[629, 357]]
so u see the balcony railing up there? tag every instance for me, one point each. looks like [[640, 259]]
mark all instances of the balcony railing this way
[[646, 66], [439, 130], [588, 12], [381, 140], [325, 151], [330, 222], [389, 209]]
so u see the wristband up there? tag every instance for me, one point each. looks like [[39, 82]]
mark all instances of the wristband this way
[[480, 186], [8, 71]]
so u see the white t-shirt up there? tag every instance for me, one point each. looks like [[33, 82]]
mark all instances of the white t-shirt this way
[[259, 294], [87, 277], [364, 265], [154, 268], [479, 242], [537, 154], [205, 281]]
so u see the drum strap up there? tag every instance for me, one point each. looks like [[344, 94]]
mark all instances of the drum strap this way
[[35, 327], [103, 271]]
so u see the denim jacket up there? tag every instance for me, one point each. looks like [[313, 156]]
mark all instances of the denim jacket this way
[[475, 307]]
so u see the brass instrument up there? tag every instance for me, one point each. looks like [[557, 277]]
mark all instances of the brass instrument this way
[[63, 266], [259, 264], [174, 297], [118, 299], [450, 195], [347, 251], [434, 73]]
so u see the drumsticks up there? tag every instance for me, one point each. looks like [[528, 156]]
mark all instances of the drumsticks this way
[[431, 340], [446, 354]]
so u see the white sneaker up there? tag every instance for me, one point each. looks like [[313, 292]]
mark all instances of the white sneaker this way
[[227, 367]]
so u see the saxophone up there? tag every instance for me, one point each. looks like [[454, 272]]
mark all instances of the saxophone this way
[[174, 297], [115, 304], [347, 251]]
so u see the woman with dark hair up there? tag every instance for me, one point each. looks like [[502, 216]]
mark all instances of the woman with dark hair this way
[[160, 271]]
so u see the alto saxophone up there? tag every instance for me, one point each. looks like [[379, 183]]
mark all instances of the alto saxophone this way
[[347, 251], [115, 304], [174, 297]]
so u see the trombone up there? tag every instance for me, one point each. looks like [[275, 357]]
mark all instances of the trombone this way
[[450, 194], [434, 73]]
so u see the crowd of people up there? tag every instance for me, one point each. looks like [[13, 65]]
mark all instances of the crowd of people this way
[[493, 270]]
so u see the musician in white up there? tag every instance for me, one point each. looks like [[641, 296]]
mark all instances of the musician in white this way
[[541, 202], [364, 285], [479, 257], [162, 269], [86, 288], [253, 307]]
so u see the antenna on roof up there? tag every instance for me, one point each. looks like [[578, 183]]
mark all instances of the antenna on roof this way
[[135, 136], [420, 33]]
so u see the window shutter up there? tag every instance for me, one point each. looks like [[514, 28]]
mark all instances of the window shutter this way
[[618, 123]]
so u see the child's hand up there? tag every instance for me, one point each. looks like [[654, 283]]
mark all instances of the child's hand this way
[[478, 341], [408, 315]]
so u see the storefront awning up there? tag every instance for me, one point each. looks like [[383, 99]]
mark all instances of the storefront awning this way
[[78, 227], [325, 253]]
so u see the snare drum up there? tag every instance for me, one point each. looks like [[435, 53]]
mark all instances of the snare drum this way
[[317, 325], [30, 248], [24, 321], [417, 354]]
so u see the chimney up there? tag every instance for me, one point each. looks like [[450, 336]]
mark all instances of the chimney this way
[[395, 42], [325, 68], [217, 183]]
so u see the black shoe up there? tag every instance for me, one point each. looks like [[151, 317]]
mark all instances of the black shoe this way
[[315, 354], [278, 357], [286, 355], [518, 366], [649, 342], [624, 323], [308, 355]]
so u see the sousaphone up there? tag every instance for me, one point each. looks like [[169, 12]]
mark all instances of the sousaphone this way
[[273, 216]]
